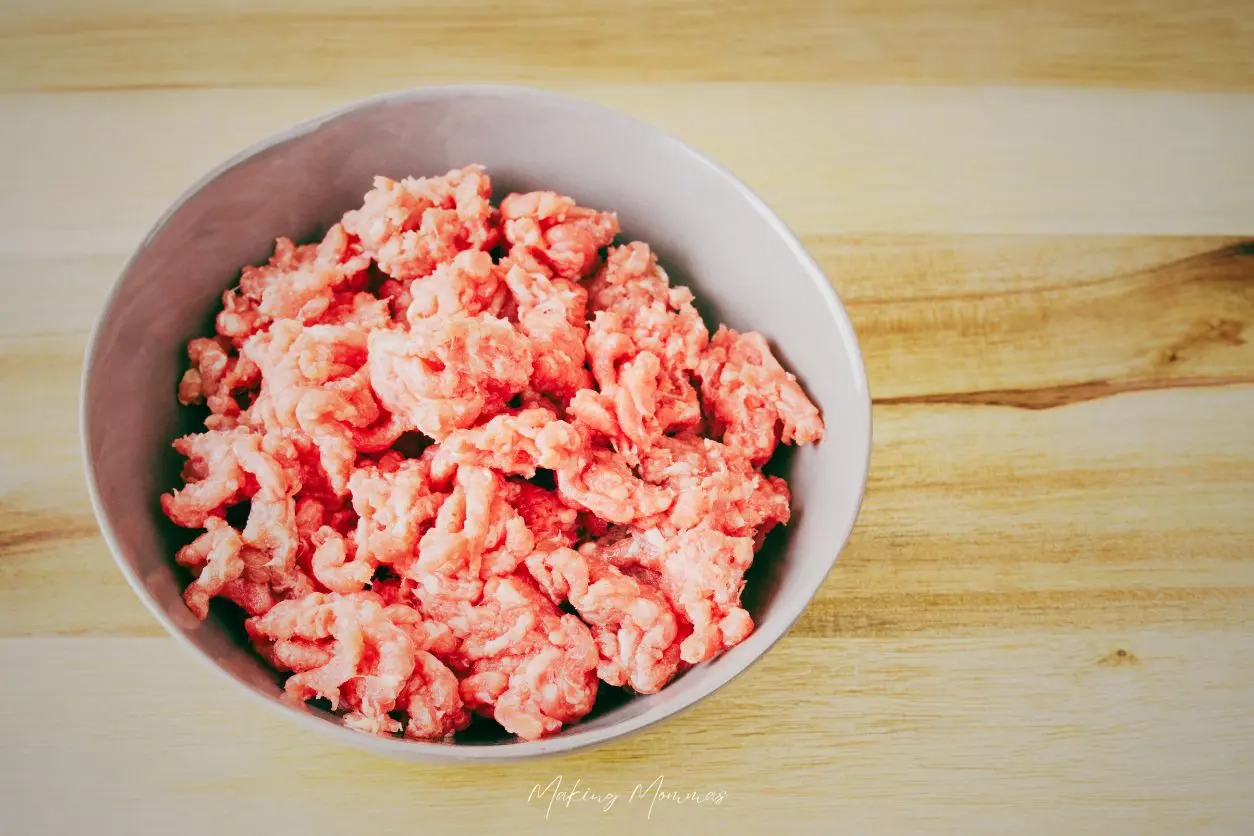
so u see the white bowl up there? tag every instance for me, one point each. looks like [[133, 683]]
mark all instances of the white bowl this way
[[710, 231]]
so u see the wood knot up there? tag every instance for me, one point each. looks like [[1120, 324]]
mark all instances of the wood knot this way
[[1118, 658], [1201, 335]]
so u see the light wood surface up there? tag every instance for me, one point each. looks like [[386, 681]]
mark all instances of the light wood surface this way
[[1041, 217]]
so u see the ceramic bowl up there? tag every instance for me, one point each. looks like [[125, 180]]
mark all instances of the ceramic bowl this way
[[710, 231]]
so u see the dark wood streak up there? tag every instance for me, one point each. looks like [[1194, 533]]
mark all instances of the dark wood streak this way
[[1182, 269], [1049, 397], [1119, 658], [1238, 250], [1231, 262], [22, 531]]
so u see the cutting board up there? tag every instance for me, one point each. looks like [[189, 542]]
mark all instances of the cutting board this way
[[1041, 219]]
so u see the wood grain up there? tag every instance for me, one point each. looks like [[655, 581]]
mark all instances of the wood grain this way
[[830, 159], [1018, 322], [1041, 218], [1001, 477], [990, 735], [79, 44]]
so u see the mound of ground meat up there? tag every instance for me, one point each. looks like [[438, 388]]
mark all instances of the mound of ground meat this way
[[460, 459]]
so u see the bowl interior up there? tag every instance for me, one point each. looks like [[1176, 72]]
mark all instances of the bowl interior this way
[[710, 232]]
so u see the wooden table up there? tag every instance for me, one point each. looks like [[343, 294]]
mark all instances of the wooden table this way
[[1038, 214]]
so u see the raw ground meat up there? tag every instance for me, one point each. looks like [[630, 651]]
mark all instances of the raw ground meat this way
[[601, 481], [552, 313], [298, 283], [517, 444], [215, 379], [445, 373], [477, 534], [366, 658], [530, 667], [714, 483], [701, 571], [636, 631], [552, 522], [644, 342], [549, 234], [469, 284], [442, 425], [225, 467], [395, 504], [411, 227], [751, 400]]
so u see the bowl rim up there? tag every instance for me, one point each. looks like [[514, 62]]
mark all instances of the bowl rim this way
[[426, 751]]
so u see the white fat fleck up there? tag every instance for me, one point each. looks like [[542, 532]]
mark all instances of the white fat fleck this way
[[508, 594]]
